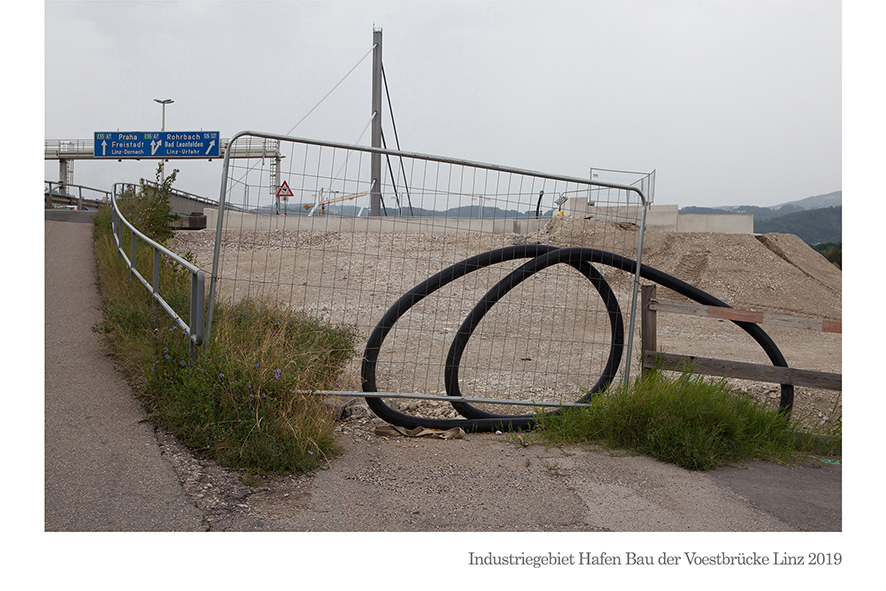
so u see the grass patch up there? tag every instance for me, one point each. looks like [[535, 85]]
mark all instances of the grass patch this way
[[694, 423], [242, 403]]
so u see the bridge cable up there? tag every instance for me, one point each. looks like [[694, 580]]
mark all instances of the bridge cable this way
[[396, 139], [331, 91]]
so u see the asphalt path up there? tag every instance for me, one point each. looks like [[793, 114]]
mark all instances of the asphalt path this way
[[104, 469], [808, 495], [103, 466]]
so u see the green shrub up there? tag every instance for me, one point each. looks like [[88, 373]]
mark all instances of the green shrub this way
[[146, 207], [688, 421], [244, 401], [832, 251]]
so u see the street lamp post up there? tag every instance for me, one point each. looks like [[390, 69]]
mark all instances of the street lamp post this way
[[163, 102]]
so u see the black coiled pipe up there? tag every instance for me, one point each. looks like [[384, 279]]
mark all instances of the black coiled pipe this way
[[542, 257]]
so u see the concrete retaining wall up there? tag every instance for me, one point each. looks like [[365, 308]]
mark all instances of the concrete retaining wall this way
[[331, 223], [183, 205], [727, 223], [665, 218], [659, 218]]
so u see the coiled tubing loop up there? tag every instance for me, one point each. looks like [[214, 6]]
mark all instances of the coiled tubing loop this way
[[540, 257]]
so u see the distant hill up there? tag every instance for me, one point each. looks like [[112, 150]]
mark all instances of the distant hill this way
[[814, 219], [760, 213], [813, 227], [834, 199]]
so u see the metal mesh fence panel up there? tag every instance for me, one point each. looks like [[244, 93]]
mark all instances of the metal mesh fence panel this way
[[294, 228]]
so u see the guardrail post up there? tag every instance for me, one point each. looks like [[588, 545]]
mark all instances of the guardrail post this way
[[197, 304], [648, 339], [156, 282], [132, 255]]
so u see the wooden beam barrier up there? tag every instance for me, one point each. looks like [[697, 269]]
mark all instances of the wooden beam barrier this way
[[731, 369], [746, 371], [693, 309]]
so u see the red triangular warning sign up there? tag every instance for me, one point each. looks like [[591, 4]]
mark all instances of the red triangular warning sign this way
[[284, 190]]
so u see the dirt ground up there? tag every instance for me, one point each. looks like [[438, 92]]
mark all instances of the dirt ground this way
[[388, 483], [549, 338]]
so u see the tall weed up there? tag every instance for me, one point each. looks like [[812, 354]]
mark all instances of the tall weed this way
[[688, 421], [243, 402]]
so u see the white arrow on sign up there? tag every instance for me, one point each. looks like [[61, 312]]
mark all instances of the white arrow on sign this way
[[154, 145], [209, 149], [104, 146]]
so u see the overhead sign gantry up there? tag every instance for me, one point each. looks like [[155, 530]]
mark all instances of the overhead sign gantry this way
[[156, 144], [161, 145]]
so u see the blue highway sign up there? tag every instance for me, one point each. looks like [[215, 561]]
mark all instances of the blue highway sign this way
[[156, 144]]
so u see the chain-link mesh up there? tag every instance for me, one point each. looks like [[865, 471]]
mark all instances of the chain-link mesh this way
[[295, 229]]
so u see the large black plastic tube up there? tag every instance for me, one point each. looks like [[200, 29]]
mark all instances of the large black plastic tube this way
[[411, 298], [492, 297], [542, 257]]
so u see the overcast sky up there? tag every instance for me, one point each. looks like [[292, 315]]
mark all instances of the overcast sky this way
[[729, 102]]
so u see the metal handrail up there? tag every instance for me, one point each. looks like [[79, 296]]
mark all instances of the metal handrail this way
[[60, 186], [194, 332]]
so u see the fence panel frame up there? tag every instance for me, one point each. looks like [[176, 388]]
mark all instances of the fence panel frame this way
[[588, 182]]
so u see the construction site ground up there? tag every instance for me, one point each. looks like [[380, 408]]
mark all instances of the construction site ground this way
[[490, 482]]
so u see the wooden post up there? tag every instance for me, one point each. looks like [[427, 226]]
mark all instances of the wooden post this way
[[648, 340]]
